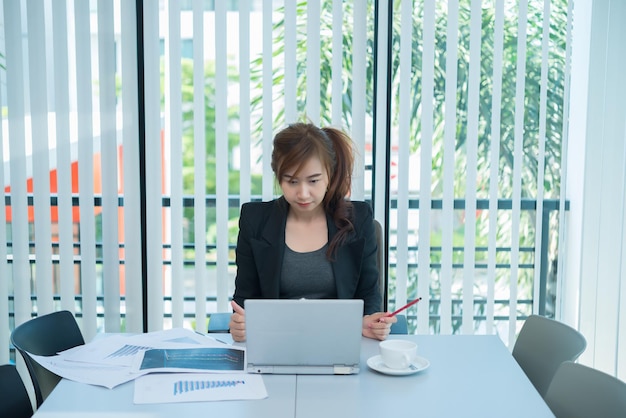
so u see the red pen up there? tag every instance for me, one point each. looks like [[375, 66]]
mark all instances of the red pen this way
[[397, 311]]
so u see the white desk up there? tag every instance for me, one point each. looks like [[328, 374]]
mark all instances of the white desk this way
[[73, 400], [469, 376]]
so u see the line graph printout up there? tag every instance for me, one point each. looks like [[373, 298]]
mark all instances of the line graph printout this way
[[215, 359], [197, 387]]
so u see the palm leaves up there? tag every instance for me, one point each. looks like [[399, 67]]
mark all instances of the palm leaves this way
[[555, 90]]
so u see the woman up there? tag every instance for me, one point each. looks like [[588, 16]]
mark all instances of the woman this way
[[313, 242]]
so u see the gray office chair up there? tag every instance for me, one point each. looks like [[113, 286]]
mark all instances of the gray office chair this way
[[578, 391], [46, 335], [14, 402], [542, 345]]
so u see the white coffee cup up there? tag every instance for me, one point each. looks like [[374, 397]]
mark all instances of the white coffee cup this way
[[398, 354]]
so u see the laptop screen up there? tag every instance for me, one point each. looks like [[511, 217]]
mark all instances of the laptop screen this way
[[304, 336]]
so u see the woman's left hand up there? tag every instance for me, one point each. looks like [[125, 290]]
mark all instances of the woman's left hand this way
[[377, 325]]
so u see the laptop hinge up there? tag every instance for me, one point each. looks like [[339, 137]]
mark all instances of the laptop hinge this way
[[343, 369]]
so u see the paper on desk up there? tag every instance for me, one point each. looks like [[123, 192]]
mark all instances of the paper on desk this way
[[227, 359], [89, 373], [107, 361], [121, 349], [198, 387]]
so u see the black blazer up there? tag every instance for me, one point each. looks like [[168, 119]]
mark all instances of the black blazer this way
[[261, 246]]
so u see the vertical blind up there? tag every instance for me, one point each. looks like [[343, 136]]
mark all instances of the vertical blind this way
[[70, 152], [474, 110], [451, 140]]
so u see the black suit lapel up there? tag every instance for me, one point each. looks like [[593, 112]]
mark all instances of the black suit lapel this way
[[268, 252]]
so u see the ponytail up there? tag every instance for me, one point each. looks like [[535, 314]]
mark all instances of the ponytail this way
[[336, 201]]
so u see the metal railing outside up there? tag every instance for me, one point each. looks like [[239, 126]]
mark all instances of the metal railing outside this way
[[550, 207]]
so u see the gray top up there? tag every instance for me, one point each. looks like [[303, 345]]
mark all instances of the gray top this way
[[307, 275]]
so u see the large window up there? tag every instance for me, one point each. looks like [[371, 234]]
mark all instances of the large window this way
[[125, 163]]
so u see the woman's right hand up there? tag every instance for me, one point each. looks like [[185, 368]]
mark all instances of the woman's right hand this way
[[237, 323]]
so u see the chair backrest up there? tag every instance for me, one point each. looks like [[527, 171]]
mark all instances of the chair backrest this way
[[380, 261], [14, 402], [578, 391], [401, 326], [46, 335], [542, 345]]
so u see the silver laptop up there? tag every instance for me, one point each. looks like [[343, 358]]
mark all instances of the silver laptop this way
[[304, 336]]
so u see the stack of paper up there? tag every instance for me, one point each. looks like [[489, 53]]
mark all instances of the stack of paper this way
[[173, 354]]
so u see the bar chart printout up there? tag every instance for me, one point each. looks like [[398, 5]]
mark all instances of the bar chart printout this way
[[198, 387]]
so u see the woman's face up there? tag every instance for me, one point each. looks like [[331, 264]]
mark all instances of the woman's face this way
[[305, 192]]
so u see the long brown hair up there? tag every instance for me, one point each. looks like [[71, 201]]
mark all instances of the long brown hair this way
[[296, 144]]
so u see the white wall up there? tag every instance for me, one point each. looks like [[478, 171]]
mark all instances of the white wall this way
[[593, 285]]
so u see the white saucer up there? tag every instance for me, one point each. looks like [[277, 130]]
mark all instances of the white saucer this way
[[376, 363]]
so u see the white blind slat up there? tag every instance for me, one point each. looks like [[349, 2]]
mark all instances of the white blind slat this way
[[541, 157], [174, 159], [40, 154], [425, 199], [292, 113], [494, 163], [471, 172], [108, 141], [222, 155], [561, 265], [620, 339], [66, 275], [84, 94], [449, 158], [130, 133], [337, 64], [153, 166], [268, 180], [200, 151], [592, 177], [518, 160], [379, 156], [313, 61], [359, 56], [245, 145]]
